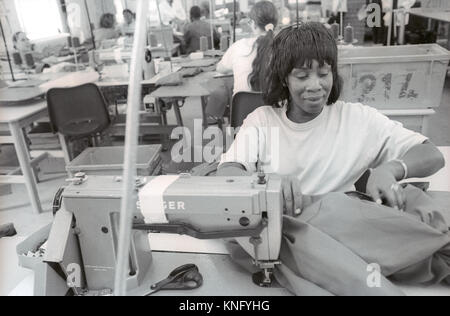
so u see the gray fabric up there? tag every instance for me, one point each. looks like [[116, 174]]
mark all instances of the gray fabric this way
[[333, 241], [220, 98]]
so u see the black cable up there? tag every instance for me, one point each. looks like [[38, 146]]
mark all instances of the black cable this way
[[234, 20], [90, 24], [7, 51]]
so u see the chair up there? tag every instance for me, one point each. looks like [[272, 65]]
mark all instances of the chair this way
[[17, 59], [242, 105], [77, 112]]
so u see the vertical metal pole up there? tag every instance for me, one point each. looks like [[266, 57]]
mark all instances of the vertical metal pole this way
[[90, 24], [298, 18], [7, 51], [234, 20], [166, 47], [211, 17], [130, 152]]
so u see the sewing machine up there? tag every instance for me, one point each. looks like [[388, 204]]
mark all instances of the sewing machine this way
[[84, 235]]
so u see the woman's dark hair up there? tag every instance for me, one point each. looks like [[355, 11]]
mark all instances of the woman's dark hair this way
[[15, 38], [263, 13], [129, 12], [107, 21], [294, 47]]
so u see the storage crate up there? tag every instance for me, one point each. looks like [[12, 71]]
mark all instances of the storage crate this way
[[43, 273], [32, 244], [395, 77], [42, 137], [109, 161]]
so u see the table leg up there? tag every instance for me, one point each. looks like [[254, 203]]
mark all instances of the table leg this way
[[204, 116], [448, 36], [24, 159], [177, 111]]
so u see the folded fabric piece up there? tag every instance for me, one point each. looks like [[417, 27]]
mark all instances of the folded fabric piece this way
[[7, 230], [190, 72], [199, 63], [213, 53], [335, 241], [173, 79]]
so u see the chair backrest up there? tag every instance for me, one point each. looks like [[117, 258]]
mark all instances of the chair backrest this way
[[78, 111], [17, 59], [242, 105]]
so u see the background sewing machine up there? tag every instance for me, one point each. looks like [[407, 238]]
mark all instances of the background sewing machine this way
[[85, 230]]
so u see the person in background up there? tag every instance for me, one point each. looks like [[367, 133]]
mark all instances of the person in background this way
[[245, 58], [129, 24], [27, 58], [166, 12], [196, 29], [23, 46], [107, 29], [22, 49], [206, 14]]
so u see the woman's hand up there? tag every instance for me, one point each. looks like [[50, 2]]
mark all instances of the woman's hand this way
[[292, 196], [384, 188]]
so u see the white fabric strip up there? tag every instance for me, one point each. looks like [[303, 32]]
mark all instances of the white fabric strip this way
[[118, 55], [151, 198]]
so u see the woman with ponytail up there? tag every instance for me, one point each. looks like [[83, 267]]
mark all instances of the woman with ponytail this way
[[245, 58]]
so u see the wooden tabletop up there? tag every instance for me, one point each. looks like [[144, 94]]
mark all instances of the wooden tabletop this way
[[37, 85], [16, 113], [199, 86]]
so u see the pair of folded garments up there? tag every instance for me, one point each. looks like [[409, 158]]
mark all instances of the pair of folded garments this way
[[176, 78]]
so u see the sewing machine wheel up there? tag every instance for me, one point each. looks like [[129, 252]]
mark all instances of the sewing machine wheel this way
[[57, 200]]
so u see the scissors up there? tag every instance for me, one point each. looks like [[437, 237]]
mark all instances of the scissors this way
[[186, 277]]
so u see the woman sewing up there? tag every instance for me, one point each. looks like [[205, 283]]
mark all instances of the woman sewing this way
[[317, 143]]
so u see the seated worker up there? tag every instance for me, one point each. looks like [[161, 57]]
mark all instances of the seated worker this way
[[245, 58], [23, 47], [205, 11], [196, 29], [27, 58], [317, 143], [128, 26], [107, 29]]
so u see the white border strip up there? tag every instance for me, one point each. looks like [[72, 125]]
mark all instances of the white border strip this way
[[151, 199]]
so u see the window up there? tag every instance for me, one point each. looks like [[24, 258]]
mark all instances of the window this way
[[39, 18]]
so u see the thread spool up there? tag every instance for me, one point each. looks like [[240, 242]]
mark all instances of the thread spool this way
[[335, 30], [153, 40], [149, 65], [29, 60], [349, 34], [203, 43], [224, 43]]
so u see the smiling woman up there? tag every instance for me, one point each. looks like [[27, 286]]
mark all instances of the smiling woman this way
[[323, 145]]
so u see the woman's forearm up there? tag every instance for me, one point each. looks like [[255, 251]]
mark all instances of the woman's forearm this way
[[421, 161], [232, 169], [223, 70]]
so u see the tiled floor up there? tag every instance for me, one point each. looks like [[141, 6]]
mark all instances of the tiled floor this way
[[15, 207]]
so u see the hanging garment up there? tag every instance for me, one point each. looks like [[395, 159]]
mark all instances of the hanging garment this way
[[334, 241]]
